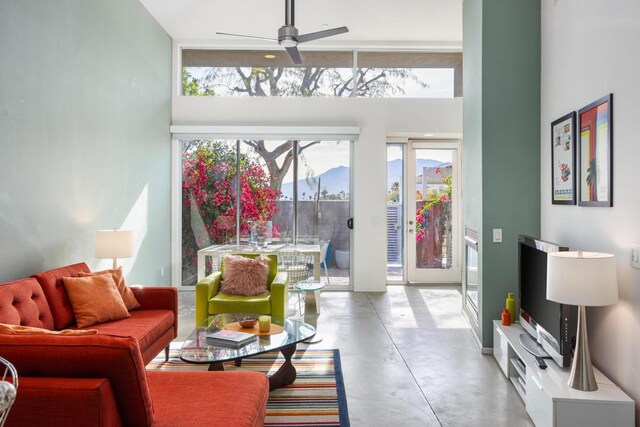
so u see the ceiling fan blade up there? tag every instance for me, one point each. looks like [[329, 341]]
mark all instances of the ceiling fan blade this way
[[294, 53], [321, 34], [249, 37]]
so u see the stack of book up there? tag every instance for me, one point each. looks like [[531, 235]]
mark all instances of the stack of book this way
[[233, 339]]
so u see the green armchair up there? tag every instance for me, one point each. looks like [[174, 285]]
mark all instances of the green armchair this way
[[210, 301]]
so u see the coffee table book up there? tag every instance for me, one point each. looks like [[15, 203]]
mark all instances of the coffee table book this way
[[228, 338]]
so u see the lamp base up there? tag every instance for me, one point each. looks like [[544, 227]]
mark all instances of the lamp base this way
[[582, 377]]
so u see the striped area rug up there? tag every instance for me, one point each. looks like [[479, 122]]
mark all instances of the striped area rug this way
[[316, 399]]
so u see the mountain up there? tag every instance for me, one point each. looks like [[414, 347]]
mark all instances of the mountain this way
[[394, 169], [334, 180], [337, 179]]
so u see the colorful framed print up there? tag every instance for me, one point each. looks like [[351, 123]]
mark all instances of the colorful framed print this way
[[595, 124], [563, 160]]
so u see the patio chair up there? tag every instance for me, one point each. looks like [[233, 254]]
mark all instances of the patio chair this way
[[299, 267], [324, 245]]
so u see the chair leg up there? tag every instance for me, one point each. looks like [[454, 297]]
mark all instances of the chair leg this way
[[166, 354], [326, 271]]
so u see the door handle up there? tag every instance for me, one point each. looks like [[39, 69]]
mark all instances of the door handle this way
[[350, 223], [410, 231]]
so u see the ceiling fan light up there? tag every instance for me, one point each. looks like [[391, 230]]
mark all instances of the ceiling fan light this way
[[287, 42]]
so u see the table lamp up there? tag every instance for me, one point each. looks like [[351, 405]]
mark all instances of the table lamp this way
[[582, 279], [114, 244]]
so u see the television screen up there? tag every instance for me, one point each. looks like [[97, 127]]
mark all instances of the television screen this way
[[533, 290], [553, 325]]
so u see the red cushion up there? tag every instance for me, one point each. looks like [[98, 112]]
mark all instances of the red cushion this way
[[146, 325], [51, 282], [212, 399], [23, 303], [64, 402]]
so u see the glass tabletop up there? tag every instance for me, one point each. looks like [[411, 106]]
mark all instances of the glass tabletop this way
[[197, 349], [309, 285]]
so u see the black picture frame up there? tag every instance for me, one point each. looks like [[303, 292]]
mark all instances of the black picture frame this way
[[595, 153], [563, 160]]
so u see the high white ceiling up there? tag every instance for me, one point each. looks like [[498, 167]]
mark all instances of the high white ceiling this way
[[436, 23]]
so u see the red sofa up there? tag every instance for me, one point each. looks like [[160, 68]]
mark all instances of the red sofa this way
[[101, 380], [154, 324]]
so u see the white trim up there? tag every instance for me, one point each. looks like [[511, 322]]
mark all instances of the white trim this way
[[431, 276], [405, 46], [176, 214], [266, 132]]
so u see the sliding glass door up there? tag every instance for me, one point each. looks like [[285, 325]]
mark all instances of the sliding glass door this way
[[301, 187]]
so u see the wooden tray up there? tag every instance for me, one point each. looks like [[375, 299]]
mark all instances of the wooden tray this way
[[274, 330]]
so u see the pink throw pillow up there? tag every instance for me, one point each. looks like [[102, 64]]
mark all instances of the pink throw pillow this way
[[245, 276]]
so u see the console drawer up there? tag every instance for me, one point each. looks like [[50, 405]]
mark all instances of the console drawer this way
[[539, 404], [501, 350]]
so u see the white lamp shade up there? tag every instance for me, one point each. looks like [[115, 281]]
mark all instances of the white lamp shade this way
[[582, 278], [114, 244]]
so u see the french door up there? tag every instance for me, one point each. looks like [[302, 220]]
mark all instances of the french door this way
[[429, 226]]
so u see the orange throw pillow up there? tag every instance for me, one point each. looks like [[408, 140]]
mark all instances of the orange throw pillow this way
[[126, 293], [95, 299], [32, 330]]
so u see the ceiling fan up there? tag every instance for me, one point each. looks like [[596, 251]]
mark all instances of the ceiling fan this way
[[288, 36]]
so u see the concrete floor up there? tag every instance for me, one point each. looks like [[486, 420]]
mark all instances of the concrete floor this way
[[408, 359]]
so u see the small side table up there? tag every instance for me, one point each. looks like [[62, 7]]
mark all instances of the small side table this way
[[311, 288], [312, 295]]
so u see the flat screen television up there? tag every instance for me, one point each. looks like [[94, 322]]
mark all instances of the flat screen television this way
[[551, 324]]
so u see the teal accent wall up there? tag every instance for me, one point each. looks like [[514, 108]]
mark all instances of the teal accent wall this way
[[85, 109], [472, 124], [507, 135]]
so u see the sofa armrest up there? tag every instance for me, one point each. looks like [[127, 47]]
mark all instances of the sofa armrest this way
[[280, 295], [158, 298], [45, 401], [205, 289], [115, 358]]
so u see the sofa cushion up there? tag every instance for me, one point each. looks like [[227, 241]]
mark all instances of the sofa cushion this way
[[51, 282], [45, 401], [95, 299], [31, 330], [126, 293], [213, 399], [225, 303], [145, 325], [23, 303]]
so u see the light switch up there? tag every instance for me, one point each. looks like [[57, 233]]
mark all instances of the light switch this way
[[497, 235], [635, 255]]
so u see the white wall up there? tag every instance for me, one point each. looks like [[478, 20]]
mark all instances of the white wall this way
[[376, 118], [590, 49]]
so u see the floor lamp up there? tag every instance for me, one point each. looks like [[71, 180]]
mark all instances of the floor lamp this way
[[582, 279], [114, 244]]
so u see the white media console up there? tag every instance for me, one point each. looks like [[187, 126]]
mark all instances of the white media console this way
[[548, 398]]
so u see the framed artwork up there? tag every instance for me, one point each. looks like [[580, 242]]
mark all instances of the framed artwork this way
[[563, 160], [595, 124]]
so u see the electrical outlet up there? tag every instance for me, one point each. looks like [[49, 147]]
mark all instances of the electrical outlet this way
[[635, 255], [497, 235]]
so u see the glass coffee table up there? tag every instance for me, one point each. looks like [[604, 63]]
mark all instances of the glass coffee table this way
[[197, 349]]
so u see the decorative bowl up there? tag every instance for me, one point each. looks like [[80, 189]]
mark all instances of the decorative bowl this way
[[249, 322]]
